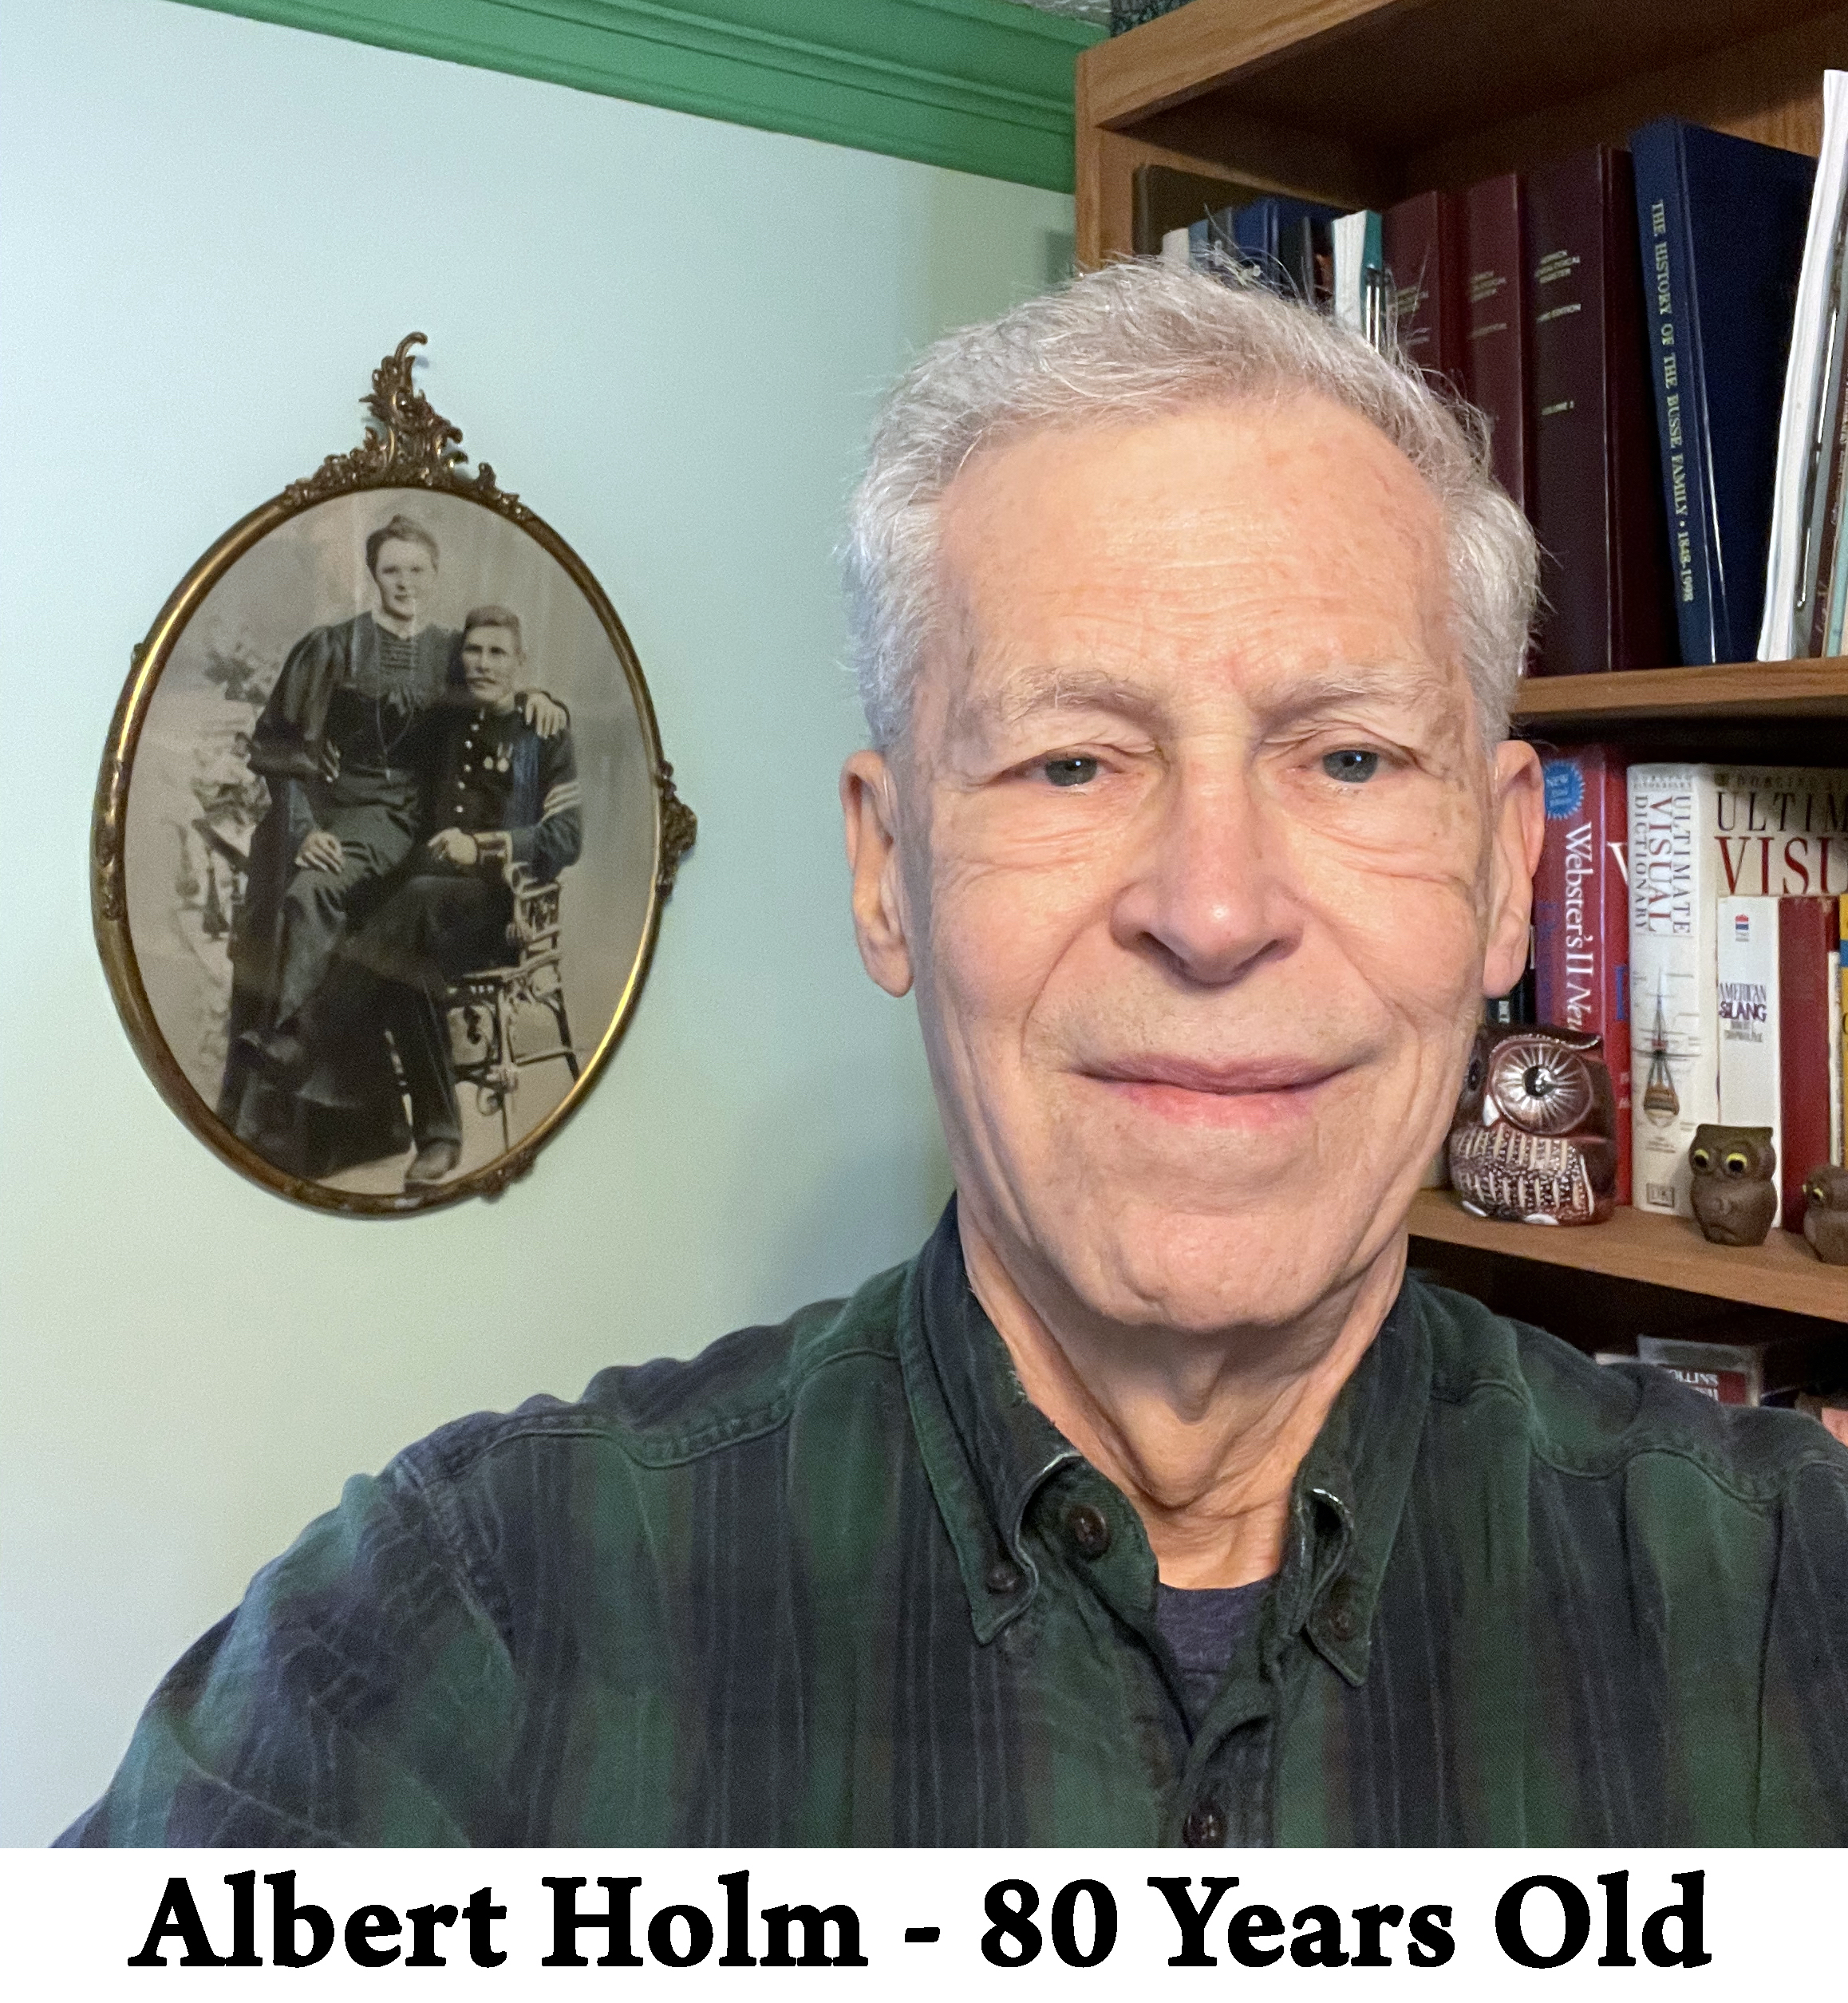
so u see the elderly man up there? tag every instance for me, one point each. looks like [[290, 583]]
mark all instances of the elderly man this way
[[1152, 1501]]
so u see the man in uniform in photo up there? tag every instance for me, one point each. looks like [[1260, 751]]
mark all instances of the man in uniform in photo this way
[[501, 797], [346, 799]]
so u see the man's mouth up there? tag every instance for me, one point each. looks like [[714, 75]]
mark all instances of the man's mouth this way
[[1246, 1092]]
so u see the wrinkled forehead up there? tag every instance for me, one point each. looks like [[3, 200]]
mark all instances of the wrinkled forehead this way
[[1224, 550]]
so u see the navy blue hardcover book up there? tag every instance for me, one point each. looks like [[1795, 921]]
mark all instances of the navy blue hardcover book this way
[[1287, 239], [1721, 222]]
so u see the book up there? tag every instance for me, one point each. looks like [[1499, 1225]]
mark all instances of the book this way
[[1838, 1049], [1721, 222], [1810, 1040], [1495, 331], [1581, 918], [1422, 240], [1829, 1408], [1289, 244], [1750, 1016], [1596, 503], [1164, 199], [1674, 911], [1812, 380], [1697, 833], [1782, 831], [1748, 1356], [1359, 301]]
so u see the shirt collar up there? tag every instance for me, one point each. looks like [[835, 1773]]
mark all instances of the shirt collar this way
[[987, 1450]]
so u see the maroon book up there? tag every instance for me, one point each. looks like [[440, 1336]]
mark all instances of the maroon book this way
[[1422, 241], [1495, 331], [1596, 493], [1809, 929], [1581, 914]]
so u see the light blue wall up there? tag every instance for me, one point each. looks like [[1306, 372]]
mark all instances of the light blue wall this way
[[668, 334]]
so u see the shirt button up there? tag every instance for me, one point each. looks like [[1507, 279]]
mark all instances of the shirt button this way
[[1344, 1616], [1205, 1827], [1004, 1576], [1090, 1530]]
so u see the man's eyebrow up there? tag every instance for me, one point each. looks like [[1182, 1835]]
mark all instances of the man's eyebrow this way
[[1353, 684], [1031, 691], [1034, 691]]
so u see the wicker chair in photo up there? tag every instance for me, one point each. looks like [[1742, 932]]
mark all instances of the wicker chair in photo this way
[[492, 1012]]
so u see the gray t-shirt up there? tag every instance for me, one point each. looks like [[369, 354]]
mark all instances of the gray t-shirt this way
[[1202, 1625]]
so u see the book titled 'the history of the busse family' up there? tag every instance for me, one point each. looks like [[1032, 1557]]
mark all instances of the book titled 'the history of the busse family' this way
[[1721, 222]]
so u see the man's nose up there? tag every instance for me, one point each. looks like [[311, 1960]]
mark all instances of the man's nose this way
[[1207, 892]]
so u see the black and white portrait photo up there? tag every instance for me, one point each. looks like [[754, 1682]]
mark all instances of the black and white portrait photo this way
[[391, 841]]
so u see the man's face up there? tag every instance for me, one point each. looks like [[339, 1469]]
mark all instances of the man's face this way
[[1201, 872], [405, 576], [491, 663]]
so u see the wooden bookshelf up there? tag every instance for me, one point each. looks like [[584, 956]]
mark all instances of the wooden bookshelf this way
[[1361, 102], [1766, 692], [1659, 1251]]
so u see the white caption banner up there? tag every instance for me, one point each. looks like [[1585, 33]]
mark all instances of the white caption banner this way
[[233, 1923]]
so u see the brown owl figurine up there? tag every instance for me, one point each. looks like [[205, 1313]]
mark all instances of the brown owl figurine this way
[[1535, 1139], [1734, 1186], [1825, 1214]]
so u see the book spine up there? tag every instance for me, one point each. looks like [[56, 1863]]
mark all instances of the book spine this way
[[1581, 916], [1780, 831], [1750, 1018], [1643, 610], [1422, 241], [1837, 1113], [1495, 332], [1596, 495], [1680, 395], [1565, 339], [1614, 888], [1674, 1070], [1808, 941]]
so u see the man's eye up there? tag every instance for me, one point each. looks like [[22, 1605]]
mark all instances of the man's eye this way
[[1070, 772], [1352, 767]]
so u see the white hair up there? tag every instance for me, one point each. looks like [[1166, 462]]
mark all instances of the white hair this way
[[1137, 340]]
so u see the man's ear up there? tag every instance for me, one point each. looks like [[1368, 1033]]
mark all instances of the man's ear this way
[[869, 802], [1516, 801]]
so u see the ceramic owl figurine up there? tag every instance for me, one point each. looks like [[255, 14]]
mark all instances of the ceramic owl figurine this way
[[1734, 1184], [1825, 1214], [1535, 1139]]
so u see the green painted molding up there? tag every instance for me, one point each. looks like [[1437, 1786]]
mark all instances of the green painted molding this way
[[983, 85]]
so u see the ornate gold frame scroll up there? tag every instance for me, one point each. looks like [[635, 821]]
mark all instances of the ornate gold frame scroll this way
[[409, 452]]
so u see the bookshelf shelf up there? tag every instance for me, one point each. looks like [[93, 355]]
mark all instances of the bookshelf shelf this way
[[1760, 691], [1361, 103], [1662, 1251]]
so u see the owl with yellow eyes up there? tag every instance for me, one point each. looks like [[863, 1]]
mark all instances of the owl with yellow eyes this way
[[1825, 1214], [1733, 1184]]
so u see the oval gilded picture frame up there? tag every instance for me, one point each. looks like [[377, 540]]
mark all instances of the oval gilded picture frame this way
[[384, 831]]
